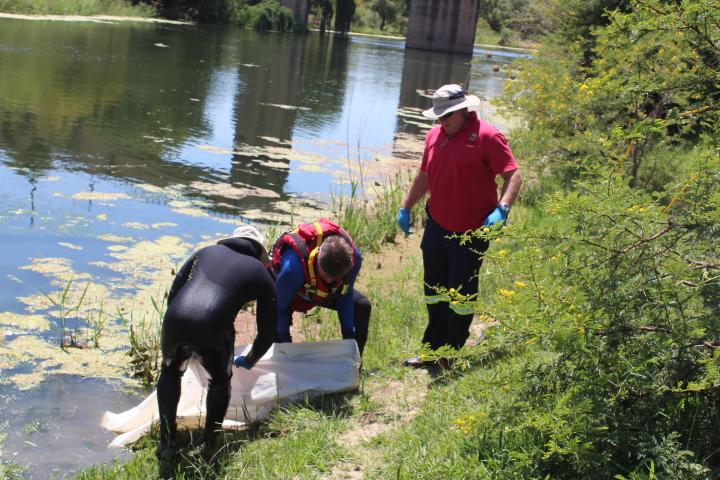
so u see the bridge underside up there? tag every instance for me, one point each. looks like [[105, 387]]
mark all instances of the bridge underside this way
[[301, 9], [439, 25], [442, 25]]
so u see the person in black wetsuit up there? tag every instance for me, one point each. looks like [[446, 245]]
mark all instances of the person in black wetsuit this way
[[206, 295]]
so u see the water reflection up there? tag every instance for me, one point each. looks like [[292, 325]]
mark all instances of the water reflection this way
[[135, 101], [269, 79], [265, 111], [103, 99]]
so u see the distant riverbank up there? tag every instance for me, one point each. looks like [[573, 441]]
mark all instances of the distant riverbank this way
[[144, 18], [92, 18]]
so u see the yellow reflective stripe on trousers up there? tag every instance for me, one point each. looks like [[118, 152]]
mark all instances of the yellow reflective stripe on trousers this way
[[459, 309], [432, 299], [462, 309]]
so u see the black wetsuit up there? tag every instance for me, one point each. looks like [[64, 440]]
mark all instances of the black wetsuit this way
[[207, 294]]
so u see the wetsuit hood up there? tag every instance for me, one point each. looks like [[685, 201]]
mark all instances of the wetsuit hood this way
[[243, 246]]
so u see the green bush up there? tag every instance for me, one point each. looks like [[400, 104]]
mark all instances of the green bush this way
[[380, 17], [484, 35], [267, 15], [618, 291], [650, 88], [608, 297]]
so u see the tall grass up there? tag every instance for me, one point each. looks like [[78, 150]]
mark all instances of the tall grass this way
[[68, 338], [119, 8], [484, 35], [370, 217], [145, 334]]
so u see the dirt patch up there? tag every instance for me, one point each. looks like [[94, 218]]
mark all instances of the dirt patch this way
[[245, 327], [400, 403]]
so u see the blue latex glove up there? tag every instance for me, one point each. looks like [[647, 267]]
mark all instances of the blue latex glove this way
[[403, 220], [241, 361], [497, 215]]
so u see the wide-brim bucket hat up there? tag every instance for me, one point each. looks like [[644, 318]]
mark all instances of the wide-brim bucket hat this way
[[251, 233], [449, 98]]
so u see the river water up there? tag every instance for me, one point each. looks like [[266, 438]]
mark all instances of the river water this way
[[128, 143]]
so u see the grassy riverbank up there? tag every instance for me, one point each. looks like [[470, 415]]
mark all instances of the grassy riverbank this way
[[400, 422], [381, 430], [550, 390]]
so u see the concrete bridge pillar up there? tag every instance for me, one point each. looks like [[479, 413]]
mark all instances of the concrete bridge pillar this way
[[442, 25], [301, 9]]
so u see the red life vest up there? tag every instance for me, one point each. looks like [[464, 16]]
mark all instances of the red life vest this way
[[306, 240]]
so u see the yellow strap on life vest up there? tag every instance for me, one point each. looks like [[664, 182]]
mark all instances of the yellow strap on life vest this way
[[318, 227], [317, 293], [313, 254]]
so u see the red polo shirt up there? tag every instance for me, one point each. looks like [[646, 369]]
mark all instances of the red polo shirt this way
[[462, 171]]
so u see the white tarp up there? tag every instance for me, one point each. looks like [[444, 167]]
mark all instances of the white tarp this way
[[288, 373]]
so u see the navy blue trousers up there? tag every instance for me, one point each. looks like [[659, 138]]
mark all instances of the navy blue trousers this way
[[449, 264]]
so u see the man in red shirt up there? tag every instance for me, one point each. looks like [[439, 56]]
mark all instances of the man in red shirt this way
[[463, 157]]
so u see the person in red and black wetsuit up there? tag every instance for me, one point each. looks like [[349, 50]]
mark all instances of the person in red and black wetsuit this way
[[206, 296], [315, 265]]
